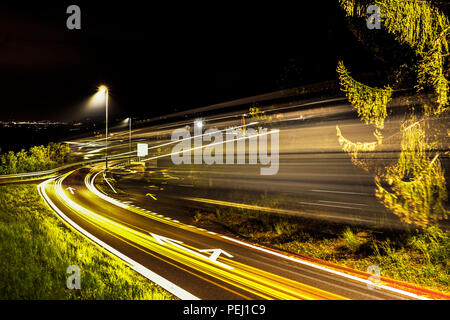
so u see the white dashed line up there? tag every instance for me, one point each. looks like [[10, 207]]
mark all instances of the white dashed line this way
[[355, 204], [329, 191]]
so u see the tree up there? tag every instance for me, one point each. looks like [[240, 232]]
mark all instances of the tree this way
[[414, 187], [11, 162], [38, 158]]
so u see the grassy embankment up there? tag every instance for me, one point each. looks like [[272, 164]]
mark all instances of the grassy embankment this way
[[419, 257], [36, 248]]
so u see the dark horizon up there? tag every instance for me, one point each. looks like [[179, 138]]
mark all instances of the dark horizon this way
[[174, 59]]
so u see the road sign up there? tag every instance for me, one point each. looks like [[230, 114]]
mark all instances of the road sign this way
[[142, 149]]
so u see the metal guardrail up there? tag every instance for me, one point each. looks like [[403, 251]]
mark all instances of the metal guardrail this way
[[39, 174]]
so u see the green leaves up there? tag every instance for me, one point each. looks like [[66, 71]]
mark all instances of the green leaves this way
[[38, 158], [421, 26], [417, 183], [370, 103], [414, 188]]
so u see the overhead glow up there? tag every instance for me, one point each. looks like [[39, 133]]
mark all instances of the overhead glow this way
[[98, 99], [102, 89]]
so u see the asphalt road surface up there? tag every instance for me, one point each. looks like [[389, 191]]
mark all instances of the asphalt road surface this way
[[149, 228]]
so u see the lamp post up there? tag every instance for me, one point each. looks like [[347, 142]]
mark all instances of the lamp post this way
[[129, 135], [103, 90]]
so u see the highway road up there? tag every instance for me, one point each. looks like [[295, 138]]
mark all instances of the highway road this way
[[155, 237], [195, 263]]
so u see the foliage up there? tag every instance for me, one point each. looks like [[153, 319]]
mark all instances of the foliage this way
[[351, 241], [423, 27], [417, 183], [36, 248], [433, 243], [359, 151], [370, 103], [415, 188], [257, 114], [37, 158], [431, 73]]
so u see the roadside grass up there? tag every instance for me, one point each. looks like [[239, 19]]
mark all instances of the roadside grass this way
[[419, 257], [36, 248]]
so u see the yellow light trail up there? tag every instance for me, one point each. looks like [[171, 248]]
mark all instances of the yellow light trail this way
[[258, 282]]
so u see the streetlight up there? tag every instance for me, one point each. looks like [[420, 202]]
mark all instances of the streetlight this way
[[198, 123], [104, 92], [129, 135]]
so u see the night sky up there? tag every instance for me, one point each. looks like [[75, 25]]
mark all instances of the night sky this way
[[161, 58]]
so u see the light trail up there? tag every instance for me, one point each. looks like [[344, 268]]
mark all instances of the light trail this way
[[339, 273], [280, 210], [150, 275], [382, 285], [201, 135], [177, 141], [258, 282], [213, 144]]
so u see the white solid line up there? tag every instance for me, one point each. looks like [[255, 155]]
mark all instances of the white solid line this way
[[387, 288], [164, 283], [109, 184], [365, 194], [405, 293]]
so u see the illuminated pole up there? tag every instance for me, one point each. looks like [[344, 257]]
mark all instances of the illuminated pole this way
[[105, 89], [98, 99], [129, 137]]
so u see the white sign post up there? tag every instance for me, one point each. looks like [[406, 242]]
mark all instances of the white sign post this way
[[142, 150]]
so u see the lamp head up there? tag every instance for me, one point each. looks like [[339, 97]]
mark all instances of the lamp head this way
[[102, 89]]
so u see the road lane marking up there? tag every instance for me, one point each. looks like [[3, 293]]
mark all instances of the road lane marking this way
[[215, 253], [151, 195], [345, 192], [325, 205], [355, 204], [345, 275], [332, 271], [279, 210], [150, 275], [109, 184], [261, 284], [71, 190], [176, 243]]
